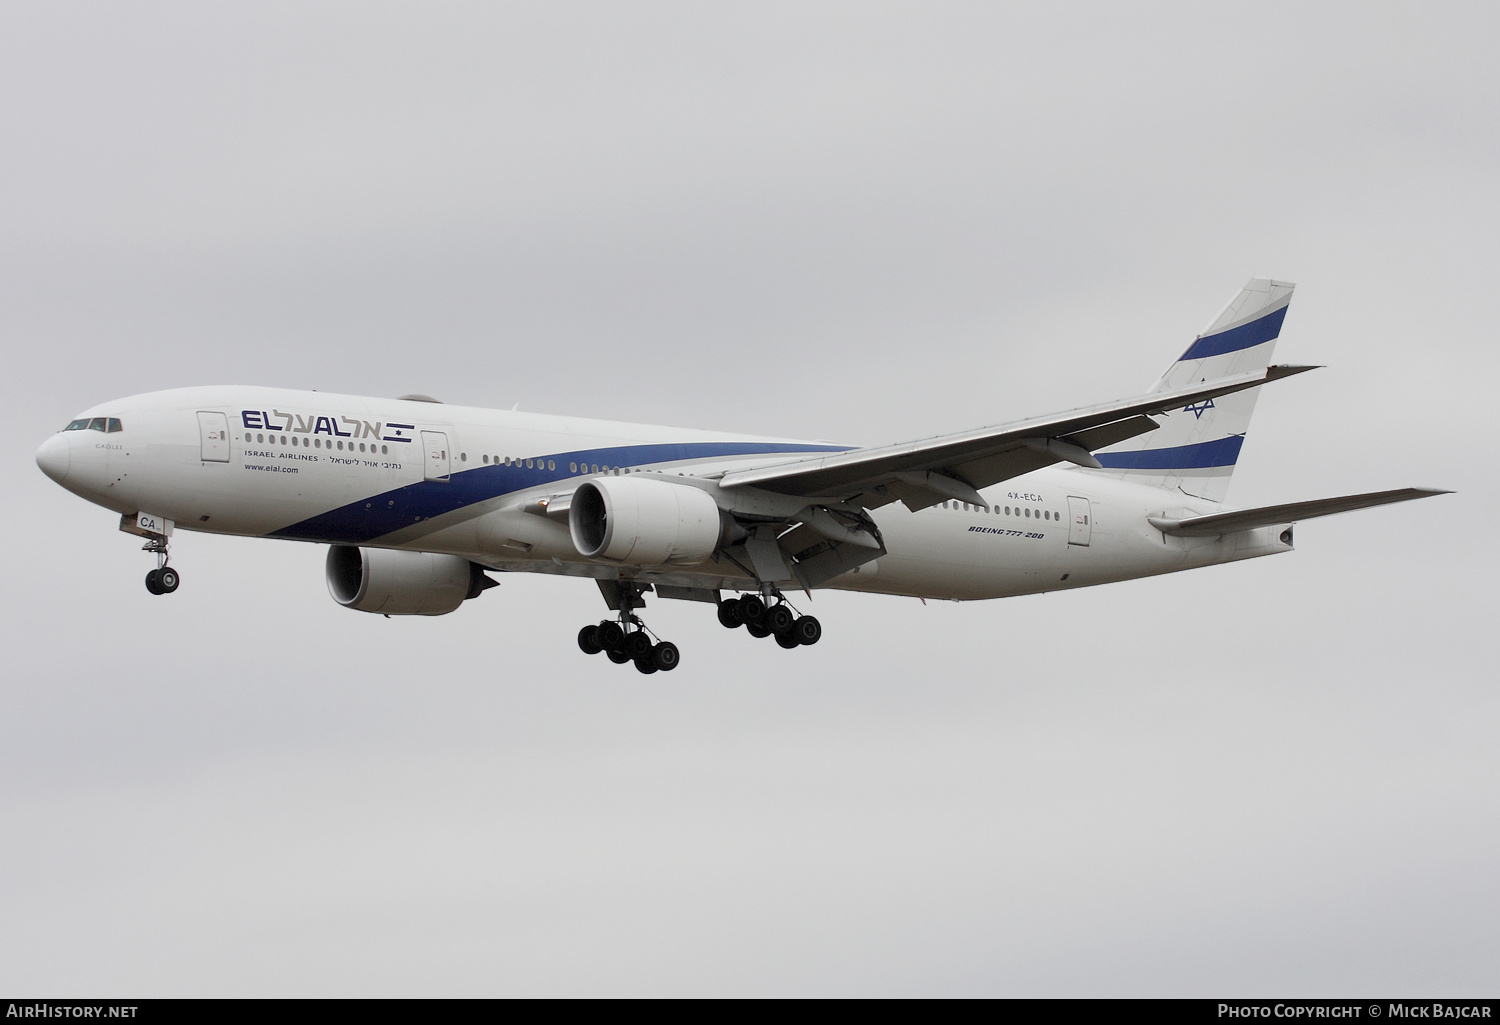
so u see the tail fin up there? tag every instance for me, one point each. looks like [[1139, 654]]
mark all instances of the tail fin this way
[[1195, 450]]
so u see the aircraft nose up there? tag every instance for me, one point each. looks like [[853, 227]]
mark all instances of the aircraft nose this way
[[52, 457]]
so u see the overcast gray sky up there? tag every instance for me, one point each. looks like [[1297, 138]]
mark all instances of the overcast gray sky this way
[[864, 222]]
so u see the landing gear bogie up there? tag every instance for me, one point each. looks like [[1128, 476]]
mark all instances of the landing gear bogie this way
[[627, 639], [778, 620]]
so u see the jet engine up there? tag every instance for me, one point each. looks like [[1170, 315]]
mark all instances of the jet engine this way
[[643, 521], [396, 583]]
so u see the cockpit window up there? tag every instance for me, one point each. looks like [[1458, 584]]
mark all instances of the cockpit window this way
[[114, 425], [97, 423], [77, 425]]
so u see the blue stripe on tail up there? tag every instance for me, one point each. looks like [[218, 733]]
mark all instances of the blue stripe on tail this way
[[1236, 338], [1201, 456]]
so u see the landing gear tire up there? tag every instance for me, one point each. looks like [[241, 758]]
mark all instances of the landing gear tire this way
[[666, 656], [778, 618], [588, 640], [730, 613], [638, 645], [167, 579], [751, 609], [807, 630], [757, 630], [610, 636], [787, 639], [617, 656], [645, 665], [153, 581]]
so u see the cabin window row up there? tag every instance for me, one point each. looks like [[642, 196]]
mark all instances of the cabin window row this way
[[291, 439], [551, 464], [1030, 514], [530, 464]]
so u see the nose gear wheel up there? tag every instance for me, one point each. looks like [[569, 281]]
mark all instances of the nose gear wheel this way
[[163, 579]]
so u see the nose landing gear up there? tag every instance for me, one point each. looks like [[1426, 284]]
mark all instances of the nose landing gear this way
[[163, 579]]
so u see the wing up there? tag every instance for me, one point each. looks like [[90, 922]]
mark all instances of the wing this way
[[956, 466]]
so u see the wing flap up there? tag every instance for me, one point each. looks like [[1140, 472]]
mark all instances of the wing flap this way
[[1274, 515]]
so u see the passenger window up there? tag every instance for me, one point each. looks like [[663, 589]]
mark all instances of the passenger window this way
[[551, 465], [1028, 514], [114, 425]]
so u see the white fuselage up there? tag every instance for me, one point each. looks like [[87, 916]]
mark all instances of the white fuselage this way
[[389, 473]]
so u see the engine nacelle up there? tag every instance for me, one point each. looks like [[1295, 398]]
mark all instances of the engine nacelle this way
[[395, 583], [642, 521]]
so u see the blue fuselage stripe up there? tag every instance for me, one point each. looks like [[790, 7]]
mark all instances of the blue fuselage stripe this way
[[1204, 455], [1242, 337], [390, 511]]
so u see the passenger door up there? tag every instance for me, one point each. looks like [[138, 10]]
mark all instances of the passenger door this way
[[435, 449], [1079, 527], [213, 436]]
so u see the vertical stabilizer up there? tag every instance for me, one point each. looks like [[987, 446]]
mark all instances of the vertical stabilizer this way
[[1195, 448]]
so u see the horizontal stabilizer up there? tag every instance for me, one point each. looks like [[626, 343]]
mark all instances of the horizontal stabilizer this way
[[1271, 515]]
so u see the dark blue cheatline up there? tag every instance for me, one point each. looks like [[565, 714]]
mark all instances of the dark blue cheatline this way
[[1236, 338], [385, 513], [1204, 455]]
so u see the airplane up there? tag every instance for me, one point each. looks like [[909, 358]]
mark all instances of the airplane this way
[[419, 501]]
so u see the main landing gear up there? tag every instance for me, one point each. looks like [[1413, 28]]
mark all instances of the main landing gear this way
[[163, 579], [778, 620], [629, 641]]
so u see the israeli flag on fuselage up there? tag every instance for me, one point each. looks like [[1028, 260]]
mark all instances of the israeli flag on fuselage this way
[[1194, 449]]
